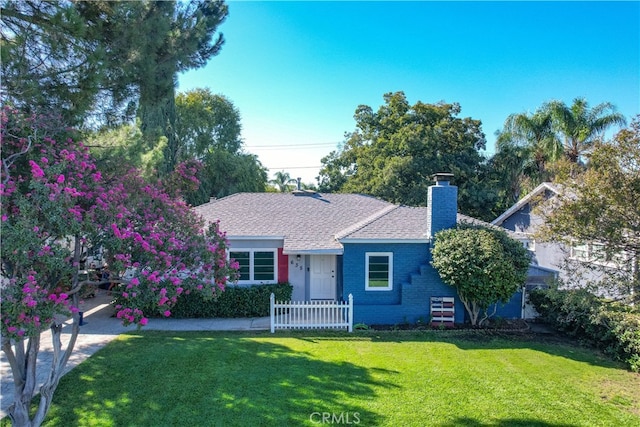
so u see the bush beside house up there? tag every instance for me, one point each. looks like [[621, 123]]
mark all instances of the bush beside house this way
[[234, 301], [483, 264], [611, 327]]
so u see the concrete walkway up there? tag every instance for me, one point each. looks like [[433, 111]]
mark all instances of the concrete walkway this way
[[100, 328]]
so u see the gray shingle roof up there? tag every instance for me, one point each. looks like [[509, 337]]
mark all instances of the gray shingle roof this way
[[317, 223], [399, 223], [307, 223]]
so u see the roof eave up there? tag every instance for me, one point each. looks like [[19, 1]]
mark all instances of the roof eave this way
[[259, 237], [526, 199], [336, 251], [425, 239]]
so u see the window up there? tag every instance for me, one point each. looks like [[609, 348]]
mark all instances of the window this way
[[379, 271], [596, 253], [256, 266], [590, 252], [244, 261]]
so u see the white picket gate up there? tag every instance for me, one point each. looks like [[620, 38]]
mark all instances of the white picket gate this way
[[311, 314]]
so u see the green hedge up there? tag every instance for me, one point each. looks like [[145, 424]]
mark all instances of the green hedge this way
[[611, 327], [235, 301]]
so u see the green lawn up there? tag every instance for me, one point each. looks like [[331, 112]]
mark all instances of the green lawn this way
[[393, 378]]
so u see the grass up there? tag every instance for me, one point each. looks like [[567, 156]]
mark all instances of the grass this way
[[367, 378]]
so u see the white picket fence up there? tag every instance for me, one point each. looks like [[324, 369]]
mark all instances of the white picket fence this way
[[311, 314]]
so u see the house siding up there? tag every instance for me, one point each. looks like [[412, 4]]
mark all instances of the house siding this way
[[414, 283], [547, 255], [512, 309]]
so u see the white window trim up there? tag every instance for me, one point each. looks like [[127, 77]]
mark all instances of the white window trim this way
[[251, 251], [592, 253], [366, 273]]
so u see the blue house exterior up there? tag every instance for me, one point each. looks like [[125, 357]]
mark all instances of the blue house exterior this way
[[330, 246], [414, 280]]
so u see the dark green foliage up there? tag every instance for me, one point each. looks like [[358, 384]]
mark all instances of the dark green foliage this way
[[95, 62], [179, 37], [235, 301], [224, 173], [393, 153], [49, 60], [483, 264], [531, 147], [208, 129], [611, 327]]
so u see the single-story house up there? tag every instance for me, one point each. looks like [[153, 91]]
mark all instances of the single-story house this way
[[331, 245]]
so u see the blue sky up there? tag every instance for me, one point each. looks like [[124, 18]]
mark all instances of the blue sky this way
[[296, 71]]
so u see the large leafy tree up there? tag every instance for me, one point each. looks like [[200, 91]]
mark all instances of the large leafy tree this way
[[485, 266], [525, 148], [600, 208], [224, 173], [56, 207], [393, 152], [208, 130], [581, 126], [205, 123]]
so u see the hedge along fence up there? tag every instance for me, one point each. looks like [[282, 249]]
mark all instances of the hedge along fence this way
[[235, 301], [611, 327]]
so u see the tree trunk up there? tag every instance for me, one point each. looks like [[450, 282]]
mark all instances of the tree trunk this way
[[472, 309], [23, 369], [24, 364], [635, 280]]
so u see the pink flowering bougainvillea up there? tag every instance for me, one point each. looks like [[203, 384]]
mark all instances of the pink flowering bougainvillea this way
[[56, 206]]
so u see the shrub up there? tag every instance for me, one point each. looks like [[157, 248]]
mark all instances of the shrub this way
[[483, 264], [611, 327], [235, 301]]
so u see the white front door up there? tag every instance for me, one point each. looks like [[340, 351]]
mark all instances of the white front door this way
[[323, 277]]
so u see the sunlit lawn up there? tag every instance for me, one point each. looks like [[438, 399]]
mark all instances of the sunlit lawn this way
[[394, 378]]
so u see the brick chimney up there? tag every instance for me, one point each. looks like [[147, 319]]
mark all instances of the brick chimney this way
[[442, 204]]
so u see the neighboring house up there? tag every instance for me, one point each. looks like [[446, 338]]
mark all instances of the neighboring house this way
[[551, 260], [546, 258], [523, 219], [331, 245]]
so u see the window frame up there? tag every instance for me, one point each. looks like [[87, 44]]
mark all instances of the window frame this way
[[368, 256], [252, 271]]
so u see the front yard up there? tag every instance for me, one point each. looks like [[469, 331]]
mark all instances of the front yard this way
[[390, 378]]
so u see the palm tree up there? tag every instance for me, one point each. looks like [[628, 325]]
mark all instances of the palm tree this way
[[283, 181], [535, 135], [581, 126]]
